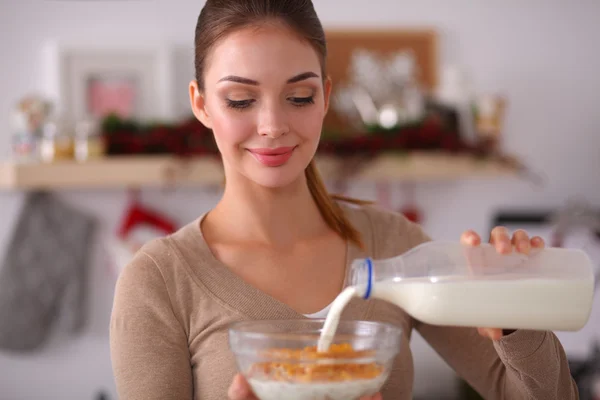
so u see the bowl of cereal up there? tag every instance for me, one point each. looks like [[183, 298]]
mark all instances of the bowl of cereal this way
[[279, 358]]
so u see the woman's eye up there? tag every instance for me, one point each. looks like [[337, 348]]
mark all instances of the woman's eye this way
[[239, 104], [302, 101]]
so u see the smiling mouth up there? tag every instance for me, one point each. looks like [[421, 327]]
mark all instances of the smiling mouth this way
[[273, 157]]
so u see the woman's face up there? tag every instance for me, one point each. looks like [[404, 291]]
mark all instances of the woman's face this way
[[265, 100]]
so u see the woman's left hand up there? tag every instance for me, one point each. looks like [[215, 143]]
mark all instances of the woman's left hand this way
[[500, 238]]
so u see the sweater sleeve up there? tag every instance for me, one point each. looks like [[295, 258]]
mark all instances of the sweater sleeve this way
[[522, 365], [149, 347]]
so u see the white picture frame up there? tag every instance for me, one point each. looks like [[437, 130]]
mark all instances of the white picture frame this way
[[69, 69]]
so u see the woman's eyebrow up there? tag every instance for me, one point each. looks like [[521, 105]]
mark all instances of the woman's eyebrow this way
[[247, 81], [302, 76], [239, 79]]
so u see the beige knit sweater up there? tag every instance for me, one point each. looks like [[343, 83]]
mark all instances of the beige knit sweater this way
[[174, 302]]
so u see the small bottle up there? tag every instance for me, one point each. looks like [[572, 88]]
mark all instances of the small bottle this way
[[89, 142], [48, 142], [56, 143], [24, 147], [24, 138], [447, 283], [455, 90]]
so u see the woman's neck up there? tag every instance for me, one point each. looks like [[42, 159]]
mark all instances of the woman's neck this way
[[280, 216]]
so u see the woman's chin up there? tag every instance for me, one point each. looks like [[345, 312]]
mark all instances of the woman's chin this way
[[275, 178]]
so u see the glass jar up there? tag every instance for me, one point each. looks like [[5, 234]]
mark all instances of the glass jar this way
[[24, 147], [56, 144], [89, 142], [25, 123]]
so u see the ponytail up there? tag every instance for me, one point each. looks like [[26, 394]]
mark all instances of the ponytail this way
[[330, 209]]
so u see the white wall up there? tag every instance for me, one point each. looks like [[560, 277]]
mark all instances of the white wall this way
[[540, 53]]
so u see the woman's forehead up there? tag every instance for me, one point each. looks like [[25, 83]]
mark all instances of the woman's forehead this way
[[265, 53]]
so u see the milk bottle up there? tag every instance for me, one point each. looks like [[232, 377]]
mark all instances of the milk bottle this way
[[450, 284]]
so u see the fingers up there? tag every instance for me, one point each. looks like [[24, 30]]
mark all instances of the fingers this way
[[521, 242], [470, 238], [240, 390], [503, 243], [537, 242], [501, 240], [490, 333]]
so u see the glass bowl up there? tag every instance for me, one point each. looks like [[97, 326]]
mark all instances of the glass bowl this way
[[279, 358]]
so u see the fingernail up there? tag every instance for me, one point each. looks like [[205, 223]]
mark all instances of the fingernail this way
[[523, 246]]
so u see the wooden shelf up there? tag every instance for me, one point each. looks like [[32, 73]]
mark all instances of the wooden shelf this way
[[423, 166], [111, 172], [158, 171]]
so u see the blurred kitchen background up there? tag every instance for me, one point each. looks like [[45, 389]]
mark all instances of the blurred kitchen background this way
[[461, 114]]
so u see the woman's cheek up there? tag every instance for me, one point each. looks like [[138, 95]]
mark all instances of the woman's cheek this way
[[309, 125], [232, 131]]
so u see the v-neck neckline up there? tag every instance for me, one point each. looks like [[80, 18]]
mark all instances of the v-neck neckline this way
[[232, 291]]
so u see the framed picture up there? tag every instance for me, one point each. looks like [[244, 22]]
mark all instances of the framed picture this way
[[343, 42], [92, 80]]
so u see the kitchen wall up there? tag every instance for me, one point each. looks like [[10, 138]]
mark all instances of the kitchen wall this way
[[539, 53]]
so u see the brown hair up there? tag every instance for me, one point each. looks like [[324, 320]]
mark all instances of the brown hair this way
[[221, 17]]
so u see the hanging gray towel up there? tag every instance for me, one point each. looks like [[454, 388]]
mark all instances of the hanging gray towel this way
[[44, 272]]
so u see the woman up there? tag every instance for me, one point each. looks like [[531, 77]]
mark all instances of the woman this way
[[276, 235]]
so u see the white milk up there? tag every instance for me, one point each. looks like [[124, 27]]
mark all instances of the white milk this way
[[333, 317], [537, 304], [347, 390]]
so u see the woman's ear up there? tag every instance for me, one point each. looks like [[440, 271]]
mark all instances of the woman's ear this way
[[199, 105], [327, 85]]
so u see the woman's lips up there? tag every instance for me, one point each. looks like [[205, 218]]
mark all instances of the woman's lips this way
[[272, 157]]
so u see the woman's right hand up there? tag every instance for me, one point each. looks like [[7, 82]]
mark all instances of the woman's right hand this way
[[240, 390]]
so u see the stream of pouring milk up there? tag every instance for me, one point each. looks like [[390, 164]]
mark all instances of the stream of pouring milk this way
[[541, 304], [333, 317]]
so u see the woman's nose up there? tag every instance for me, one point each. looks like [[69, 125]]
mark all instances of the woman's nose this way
[[272, 122]]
